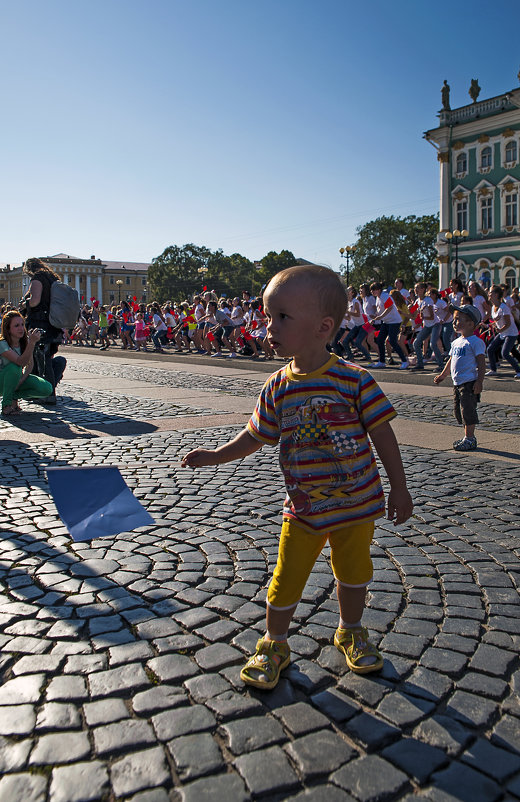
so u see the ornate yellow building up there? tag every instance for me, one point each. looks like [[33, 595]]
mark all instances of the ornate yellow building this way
[[108, 282]]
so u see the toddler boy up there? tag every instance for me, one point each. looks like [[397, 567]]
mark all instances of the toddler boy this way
[[320, 409], [467, 363]]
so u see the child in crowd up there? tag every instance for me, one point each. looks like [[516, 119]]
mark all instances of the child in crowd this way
[[103, 328], [467, 363], [141, 332], [320, 409]]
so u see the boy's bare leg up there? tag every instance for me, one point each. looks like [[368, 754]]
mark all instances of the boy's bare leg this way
[[351, 603], [278, 622], [469, 430]]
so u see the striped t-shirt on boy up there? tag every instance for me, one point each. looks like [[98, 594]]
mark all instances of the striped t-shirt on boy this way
[[321, 421]]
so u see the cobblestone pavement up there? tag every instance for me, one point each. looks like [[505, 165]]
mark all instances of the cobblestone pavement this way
[[120, 658], [493, 417], [81, 407]]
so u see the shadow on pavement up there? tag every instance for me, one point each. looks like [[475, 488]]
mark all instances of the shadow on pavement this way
[[71, 418]]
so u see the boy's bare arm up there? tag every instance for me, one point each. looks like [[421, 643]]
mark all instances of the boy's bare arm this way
[[400, 504], [243, 445], [481, 372], [442, 375]]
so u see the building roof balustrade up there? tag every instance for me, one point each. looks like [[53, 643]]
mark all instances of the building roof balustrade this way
[[473, 111]]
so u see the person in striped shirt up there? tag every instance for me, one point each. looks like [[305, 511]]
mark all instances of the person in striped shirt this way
[[320, 409]]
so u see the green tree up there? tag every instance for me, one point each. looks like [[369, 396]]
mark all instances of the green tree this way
[[270, 265], [396, 246], [229, 275], [176, 273], [179, 272]]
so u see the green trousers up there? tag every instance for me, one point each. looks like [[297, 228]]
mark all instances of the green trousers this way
[[32, 387]]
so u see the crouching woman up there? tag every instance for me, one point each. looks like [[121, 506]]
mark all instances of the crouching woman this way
[[16, 363]]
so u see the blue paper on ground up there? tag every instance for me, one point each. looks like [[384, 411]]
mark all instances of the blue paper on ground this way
[[95, 501]]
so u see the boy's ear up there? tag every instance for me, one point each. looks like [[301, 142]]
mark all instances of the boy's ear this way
[[327, 326]]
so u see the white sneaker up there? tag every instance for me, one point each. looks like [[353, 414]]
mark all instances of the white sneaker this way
[[378, 365], [232, 355], [491, 373], [404, 366], [219, 354]]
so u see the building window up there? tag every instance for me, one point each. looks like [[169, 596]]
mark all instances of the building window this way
[[511, 210], [111, 279], [143, 282], [485, 158], [112, 299], [462, 214], [510, 279], [486, 211], [511, 152], [462, 163], [128, 279]]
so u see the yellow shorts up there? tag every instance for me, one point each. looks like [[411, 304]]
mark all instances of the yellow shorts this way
[[299, 549]]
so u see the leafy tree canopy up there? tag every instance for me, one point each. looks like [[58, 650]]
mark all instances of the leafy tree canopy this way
[[179, 272], [389, 247]]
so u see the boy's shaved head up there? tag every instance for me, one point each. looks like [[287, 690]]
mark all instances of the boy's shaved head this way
[[323, 285]]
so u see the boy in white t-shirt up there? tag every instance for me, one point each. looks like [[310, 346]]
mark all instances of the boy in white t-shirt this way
[[467, 363]]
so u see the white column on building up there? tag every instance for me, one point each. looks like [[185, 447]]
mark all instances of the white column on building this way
[[444, 217], [78, 288], [100, 288], [444, 159], [89, 291]]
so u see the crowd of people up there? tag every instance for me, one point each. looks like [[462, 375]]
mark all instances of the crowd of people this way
[[209, 325], [380, 325], [416, 325]]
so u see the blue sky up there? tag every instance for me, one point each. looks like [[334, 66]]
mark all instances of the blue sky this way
[[131, 125]]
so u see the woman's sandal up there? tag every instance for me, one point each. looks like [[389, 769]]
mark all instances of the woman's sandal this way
[[269, 660], [11, 410], [355, 646]]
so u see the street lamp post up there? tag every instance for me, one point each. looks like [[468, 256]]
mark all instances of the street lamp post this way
[[203, 270], [457, 236], [119, 282], [346, 253]]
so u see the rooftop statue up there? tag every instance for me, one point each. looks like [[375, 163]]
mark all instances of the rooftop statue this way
[[474, 90], [445, 92]]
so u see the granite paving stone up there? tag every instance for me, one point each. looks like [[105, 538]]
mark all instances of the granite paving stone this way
[[419, 760], [162, 697], [22, 690], [267, 771], [301, 718], [195, 718], [139, 770], [29, 787], [17, 720], [66, 688], [447, 784], [80, 782], [220, 788], [170, 667], [14, 754], [57, 716], [130, 677], [121, 736], [319, 753], [195, 755], [370, 778], [63, 747]]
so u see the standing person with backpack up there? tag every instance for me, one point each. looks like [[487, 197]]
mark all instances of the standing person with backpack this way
[[38, 307]]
